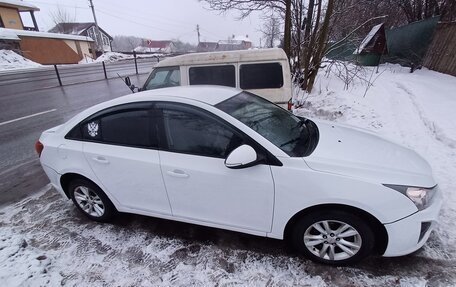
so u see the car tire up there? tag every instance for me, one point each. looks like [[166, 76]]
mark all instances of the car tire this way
[[332, 237], [91, 200]]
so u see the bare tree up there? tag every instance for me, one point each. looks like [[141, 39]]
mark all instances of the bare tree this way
[[306, 30], [416, 10], [245, 7], [61, 17], [271, 30], [125, 43]]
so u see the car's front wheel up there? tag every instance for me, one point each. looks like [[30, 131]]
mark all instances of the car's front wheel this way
[[91, 200], [333, 237]]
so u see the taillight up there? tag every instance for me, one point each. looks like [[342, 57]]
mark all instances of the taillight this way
[[39, 148], [290, 105]]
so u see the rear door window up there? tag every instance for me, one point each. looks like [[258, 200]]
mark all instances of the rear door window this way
[[261, 76], [131, 125], [213, 75]]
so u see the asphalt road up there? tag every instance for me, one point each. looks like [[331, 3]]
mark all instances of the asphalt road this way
[[31, 103], [12, 82]]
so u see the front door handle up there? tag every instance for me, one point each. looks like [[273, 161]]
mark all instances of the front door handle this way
[[100, 159], [177, 173]]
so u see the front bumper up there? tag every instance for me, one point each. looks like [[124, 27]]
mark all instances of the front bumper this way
[[409, 234]]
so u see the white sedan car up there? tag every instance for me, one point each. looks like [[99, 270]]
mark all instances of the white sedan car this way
[[226, 158]]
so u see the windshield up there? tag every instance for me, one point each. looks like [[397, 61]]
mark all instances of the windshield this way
[[294, 135], [162, 78]]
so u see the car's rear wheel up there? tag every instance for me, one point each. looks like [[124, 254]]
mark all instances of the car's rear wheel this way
[[91, 200], [333, 237]]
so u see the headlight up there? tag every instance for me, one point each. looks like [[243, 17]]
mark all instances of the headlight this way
[[420, 196]]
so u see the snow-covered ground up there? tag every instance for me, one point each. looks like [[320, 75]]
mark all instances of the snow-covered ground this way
[[10, 60], [109, 57], [44, 241]]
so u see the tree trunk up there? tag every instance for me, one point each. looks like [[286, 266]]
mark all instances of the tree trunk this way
[[287, 32], [321, 46]]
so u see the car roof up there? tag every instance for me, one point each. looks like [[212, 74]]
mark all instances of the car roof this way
[[254, 55], [211, 95]]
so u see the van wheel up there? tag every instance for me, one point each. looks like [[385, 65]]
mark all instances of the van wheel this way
[[91, 200], [333, 237]]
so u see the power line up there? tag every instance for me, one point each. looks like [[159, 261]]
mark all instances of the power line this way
[[146, 18], [131, 21]]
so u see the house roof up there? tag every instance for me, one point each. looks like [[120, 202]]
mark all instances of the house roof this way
[[368, 38], [6, 34], [20, 5], [161, 44], [75, 28], [207, 45], [242, 38], [224, 57], [18, 33]]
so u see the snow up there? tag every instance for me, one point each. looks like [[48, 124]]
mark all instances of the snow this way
[[45, 35], [86, 60], [242, 38], [10, 60], [6, 34], [115, 56], [22, 5], [44, 241]]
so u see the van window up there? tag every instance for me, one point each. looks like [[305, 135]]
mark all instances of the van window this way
[[213, 75], [261, 76], [162, 78]]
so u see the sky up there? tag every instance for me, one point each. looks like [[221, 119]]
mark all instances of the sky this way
[[153, 19]]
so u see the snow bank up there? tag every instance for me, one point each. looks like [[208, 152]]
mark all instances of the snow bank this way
[[10, 60], [115, 56]]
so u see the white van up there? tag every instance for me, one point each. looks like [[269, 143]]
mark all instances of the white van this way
[[264, 72]]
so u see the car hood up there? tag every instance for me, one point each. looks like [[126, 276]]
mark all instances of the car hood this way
[[355, 152]]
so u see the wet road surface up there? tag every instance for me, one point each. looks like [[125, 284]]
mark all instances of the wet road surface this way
[[24, 115]]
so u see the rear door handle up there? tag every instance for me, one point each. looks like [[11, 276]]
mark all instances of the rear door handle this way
[[100, 159], [177, 173]]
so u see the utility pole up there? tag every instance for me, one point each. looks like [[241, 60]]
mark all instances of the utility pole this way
[[98, 39], [198, 31]]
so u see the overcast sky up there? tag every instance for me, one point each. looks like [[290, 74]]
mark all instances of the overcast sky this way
[[153, 19]]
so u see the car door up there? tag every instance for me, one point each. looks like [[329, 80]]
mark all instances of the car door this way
[[193, 147], [120, 145]]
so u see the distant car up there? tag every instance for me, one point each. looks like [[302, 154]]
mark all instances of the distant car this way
[[226, 158]]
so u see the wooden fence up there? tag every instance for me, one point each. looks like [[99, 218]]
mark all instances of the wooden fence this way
[[441, 54]]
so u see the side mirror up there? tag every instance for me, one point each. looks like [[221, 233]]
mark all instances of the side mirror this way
[[127, 81], [241, 157]]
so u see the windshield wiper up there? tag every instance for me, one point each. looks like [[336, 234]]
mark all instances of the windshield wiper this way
[[299, 124], [301, 135], [290, 141]]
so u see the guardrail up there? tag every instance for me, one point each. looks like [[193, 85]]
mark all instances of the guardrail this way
[[107, 69]]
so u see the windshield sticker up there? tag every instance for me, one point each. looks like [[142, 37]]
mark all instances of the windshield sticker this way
[[92, 129]]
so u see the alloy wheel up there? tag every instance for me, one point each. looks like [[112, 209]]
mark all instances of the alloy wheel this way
[[89, 201], [332, 240]]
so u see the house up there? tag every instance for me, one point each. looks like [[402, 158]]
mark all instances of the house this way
[[234, 43], [10, 14], [206, 47], [162, 46], [88, 29], [40, 47]]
